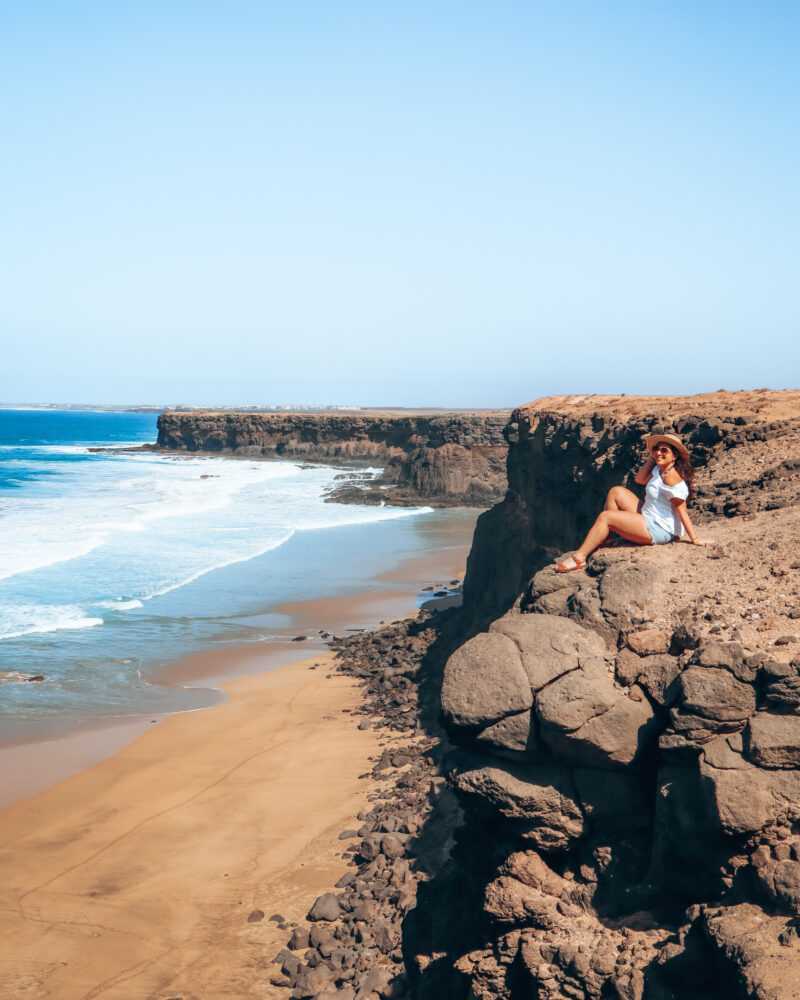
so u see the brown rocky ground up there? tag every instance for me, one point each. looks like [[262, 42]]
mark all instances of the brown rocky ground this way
[[622, 745], [744, 405]]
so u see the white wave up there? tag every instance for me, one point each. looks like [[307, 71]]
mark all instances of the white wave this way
[[83, 516], [73, 449], [34, 619], [119, 605], [39, 555], [146, 526], [210, 569]]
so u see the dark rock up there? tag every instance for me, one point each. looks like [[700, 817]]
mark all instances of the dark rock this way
[[549, 646], [290, 964], [774, 740], [311, 981], [484, 681], [326, 907], [714, 693], [513, 733], [586, 720], [299, 939], [541, 795]]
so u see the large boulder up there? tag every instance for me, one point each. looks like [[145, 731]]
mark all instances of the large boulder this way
[[781, 881], [748, 949], [541, 797], [549, 646], [714, 693], [484, 681], [509, 901], [744, 798], [585, 719], [527, 891], [730, 655], [711, 701], [773, 741]]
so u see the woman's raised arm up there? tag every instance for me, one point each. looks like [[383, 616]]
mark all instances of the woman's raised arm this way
[[642, 477]]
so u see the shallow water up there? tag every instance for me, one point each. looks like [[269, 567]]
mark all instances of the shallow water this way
[[112, 565]]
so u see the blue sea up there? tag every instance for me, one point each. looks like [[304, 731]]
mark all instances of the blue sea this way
[[113, 564]]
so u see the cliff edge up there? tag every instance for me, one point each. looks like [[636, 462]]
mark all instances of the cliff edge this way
[[566, 452], [627, 738], [441, 458]]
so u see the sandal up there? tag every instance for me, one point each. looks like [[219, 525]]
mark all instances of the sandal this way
[[570, 562]]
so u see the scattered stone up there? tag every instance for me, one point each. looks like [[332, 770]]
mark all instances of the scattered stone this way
[[649, 641], [326, 907], [299, 939]]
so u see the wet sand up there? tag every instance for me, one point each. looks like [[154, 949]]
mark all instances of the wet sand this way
[[136, 878], [54, 750]]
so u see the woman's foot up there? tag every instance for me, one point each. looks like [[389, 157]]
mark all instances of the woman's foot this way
[[570, 562]]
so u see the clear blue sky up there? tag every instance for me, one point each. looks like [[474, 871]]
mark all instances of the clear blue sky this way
[[453, 204]]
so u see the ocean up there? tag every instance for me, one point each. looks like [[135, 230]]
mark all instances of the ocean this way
[[114, 564]]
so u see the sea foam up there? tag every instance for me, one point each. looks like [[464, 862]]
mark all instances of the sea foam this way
[[146, 525]]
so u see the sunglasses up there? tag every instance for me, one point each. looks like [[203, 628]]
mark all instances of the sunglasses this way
[[662, 449]]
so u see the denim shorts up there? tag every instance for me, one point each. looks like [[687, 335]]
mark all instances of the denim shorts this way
[[659, 535]]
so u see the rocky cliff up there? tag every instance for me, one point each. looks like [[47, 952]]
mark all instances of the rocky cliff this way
[[565, 452], [445, 458], [627, 757]]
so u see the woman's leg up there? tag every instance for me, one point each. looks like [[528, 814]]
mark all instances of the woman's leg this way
[[621, 498], [623, 522]]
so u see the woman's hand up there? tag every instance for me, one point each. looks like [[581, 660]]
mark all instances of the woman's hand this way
[[698, 541]]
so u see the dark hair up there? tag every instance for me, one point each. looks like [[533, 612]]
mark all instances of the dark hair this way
[[686, 472]]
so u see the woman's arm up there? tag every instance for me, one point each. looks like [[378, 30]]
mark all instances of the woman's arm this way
[[642, 477], [686, 521]]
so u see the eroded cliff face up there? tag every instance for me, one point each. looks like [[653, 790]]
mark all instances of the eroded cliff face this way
[[566, 452], [444, 458], [628, 737]]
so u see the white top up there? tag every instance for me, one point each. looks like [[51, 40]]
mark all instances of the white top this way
[[657, 505]]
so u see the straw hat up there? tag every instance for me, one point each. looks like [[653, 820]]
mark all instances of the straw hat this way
[[651, 440]]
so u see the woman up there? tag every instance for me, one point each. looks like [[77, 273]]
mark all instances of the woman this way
[[663, 517]]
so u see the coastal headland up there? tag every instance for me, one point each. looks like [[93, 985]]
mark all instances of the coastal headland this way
[[581, 786], [618, 814], [440, 458]]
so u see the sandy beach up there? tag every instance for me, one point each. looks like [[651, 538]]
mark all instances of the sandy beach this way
[[39, 755], [136, 878], [146, 872]]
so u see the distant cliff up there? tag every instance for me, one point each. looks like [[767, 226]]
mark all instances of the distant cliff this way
[[443, 458]]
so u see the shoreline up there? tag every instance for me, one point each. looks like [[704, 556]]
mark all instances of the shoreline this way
[[50, 751], [180, 864]]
